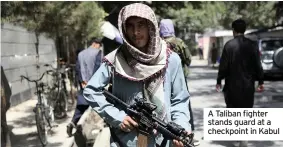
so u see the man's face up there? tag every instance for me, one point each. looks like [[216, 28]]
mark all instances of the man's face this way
[[96, 45], [137, 32]]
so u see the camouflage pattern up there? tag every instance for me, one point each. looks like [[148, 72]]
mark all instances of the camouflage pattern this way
[[179, 46]]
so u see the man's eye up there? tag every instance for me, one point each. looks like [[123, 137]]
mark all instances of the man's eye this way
[[129, 26], [141, 24]]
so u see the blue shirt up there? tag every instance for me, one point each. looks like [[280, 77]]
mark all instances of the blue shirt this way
[[175, 93], [89, 61]]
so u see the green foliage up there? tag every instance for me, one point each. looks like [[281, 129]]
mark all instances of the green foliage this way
[[28, 14], [197, 16], [279, 11], [257, 14], [81, 20], [192, 17], [87, 19], [70, 24], [56, 19]]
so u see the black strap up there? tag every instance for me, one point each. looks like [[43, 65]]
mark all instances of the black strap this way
[[113, 135], [115, 138], [164, 142]]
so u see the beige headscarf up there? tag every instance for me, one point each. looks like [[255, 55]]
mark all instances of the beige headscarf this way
[[149, 67]]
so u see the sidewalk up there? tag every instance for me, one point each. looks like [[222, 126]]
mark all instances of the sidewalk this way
[[197, 62], [23, 132]]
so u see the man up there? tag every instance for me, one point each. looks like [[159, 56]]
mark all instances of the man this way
[[240, 66], [88, 62], [213, 54], [167, 32], [143, 67], [78, 76], [5, 105], [200, 52]]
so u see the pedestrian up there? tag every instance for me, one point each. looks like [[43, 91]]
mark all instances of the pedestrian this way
[[167, 32], [88, 62], [143, 67], [5, 105], [200, 52], [78, 76], [214, 54], [240, 66]]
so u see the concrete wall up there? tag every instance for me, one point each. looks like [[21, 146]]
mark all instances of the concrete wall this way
[[18, 57]]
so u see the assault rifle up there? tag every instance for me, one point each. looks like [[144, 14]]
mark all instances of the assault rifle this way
[[142, 112]]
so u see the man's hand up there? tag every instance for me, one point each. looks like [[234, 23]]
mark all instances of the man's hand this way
[[218, 87], [84, 84], [128, 124], [177, 143], [260, 88]]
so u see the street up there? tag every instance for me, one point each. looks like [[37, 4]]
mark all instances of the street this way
[[201, 84], [203, 95]]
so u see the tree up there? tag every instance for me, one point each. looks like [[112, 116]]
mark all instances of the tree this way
[[219, 15], [257, 14], [196, 17], [279, 12], [70, 24], [28, 14]]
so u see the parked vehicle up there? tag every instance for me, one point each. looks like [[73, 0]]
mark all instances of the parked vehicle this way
[[271, 53]]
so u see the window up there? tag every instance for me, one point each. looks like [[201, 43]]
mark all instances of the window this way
[[271, 45]]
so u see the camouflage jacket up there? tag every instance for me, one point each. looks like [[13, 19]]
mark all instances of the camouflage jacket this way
[[178, 46]]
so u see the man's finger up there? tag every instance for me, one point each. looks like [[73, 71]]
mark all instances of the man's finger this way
[[134, 123], [124, 128], [181, 144], [218, 88], [154, 132], [128, 124], [176, 143]]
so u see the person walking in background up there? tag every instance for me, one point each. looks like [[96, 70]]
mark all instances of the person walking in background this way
[[78, 77], [5, 105], [167, 32], [240, 67], [200, 52], [214, 55], [89, 61]]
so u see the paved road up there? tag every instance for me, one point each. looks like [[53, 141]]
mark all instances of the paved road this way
[[203, 95]]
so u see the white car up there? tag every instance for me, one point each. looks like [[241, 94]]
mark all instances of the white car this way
[[271, 53]]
